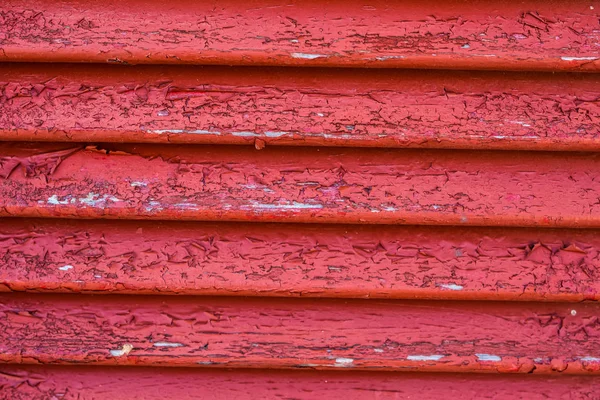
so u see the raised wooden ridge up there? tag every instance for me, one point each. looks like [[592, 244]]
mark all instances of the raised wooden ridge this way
[[236, 259], [455, 34], [301, 333], [300, 185], [300, 106], [80, 382]]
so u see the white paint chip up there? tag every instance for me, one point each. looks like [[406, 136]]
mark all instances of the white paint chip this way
[[245, 134], [65, 267], [488, 357], [343, 362], [294, 206], [579, 58], [384, 58], [451, 286], [432, 357], [97, 200], [193, 131], [126, 349], [167, 344], [275, 134], [54, 200], [307, 56]]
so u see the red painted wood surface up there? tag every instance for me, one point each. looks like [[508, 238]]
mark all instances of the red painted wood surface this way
[[302, 185], [481, 34], [418, 252], [301, 333], [43, 382], [300, 106], [299, 260]]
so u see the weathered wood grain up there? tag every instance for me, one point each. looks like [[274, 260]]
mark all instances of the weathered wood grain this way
[[381, 108], [237, 259], [301, 333], [82, 383], [482, 34], [301, 185]]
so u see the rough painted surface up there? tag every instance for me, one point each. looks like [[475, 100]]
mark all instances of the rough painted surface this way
[[299, 106], [493, 34], [37, 382], [299, 260], [302, 185], [301, 333]]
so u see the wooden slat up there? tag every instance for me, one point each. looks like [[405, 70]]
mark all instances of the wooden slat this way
[[298, 260], [301, 333], [481, 34], [302, 185], [298, 106], [37, 382]]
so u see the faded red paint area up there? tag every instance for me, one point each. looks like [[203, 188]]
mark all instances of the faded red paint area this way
[[302, 185], [301, 333], [299, 260], [482, 34], [300, 107], [68, 382]]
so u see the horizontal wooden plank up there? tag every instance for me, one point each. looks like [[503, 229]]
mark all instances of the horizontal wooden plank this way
[[301, 333], [144, 257], [302, 185], [382, 108], [37, 382], [480, 34]]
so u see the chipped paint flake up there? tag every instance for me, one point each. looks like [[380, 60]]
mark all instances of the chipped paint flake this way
[[54, 200], [65, 267], [590, 359], [579, 58], [293, 206], [384, 58], [451, 286], [343, 362], [308, 56], [432, 357], [126, 349], [167, 344], [179, 131], [275, 134], [488, 357], [97, 200], [245, 134]]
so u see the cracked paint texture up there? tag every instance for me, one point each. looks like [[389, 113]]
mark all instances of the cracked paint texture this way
[[550, 35], [68, 382], [299, 260], [300, 333], [531, 111], [306, 185]]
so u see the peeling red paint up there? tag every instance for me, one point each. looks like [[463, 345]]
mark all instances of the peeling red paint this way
[[299, 260], [42, 382], [302, 185], [301, 333], [485, 34], [411, 226], [300, 107]]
